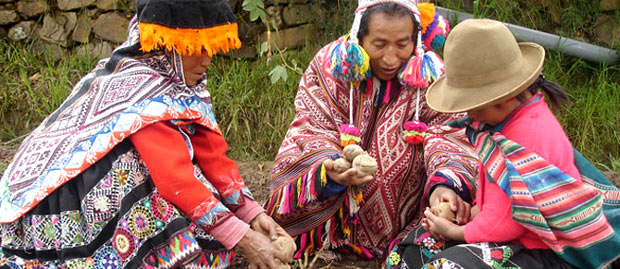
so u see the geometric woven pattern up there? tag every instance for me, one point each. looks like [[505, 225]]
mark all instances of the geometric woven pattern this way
[[392, 198], [122, 95]]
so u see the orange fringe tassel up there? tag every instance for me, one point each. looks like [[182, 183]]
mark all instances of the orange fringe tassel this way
[[216, 39], [427, 14]]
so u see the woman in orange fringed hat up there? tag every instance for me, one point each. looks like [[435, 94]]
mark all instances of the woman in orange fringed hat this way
[[131, 170], [368, 88]]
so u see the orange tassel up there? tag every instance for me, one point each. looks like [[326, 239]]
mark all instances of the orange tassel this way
[[427, 14]]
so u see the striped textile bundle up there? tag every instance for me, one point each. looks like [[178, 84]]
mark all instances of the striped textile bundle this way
[[578, 221]]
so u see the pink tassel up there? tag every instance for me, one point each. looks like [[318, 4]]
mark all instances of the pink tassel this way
[[302, 246], [386, 96], [415, 131], [411, 74], [349, 134]]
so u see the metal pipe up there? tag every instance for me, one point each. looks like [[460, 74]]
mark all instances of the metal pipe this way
[[549, 41]]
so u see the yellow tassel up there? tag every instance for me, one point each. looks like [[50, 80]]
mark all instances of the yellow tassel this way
[[221, 38], [323, 176]]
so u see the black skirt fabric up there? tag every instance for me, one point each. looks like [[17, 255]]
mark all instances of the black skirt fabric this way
[[110, 216], [420, 250]]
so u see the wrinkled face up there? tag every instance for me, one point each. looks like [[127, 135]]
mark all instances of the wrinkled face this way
[[194, 66], [389, 43]]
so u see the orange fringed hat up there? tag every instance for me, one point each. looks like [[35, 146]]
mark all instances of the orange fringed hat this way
[[187, 26]]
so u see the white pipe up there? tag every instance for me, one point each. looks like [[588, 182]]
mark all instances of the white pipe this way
[[549, 41]]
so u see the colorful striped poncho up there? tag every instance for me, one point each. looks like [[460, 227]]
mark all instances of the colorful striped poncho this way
[[392, 200], [578, 221]]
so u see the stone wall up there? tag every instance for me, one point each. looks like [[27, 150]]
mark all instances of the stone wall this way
[[97, 26]]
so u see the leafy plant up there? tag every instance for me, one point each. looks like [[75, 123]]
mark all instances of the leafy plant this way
[[279, 71]]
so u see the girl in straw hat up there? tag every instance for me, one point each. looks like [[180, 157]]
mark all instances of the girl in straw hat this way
[[367, 88], [541, 204], [131, 171]]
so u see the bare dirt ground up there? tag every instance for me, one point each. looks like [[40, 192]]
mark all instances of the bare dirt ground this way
[[257, 177]]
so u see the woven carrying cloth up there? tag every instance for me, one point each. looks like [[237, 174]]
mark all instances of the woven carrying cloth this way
[[110, 103], [580, 222]]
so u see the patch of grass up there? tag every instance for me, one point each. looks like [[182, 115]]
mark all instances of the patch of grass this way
[[253, 113]]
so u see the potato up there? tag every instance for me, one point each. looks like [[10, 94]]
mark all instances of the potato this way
[[341, 165], [365, 165], [284, 244], [443, 210], [351, 151]]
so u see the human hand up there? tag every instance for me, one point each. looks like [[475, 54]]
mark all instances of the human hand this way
[[259, 251], [264, 224], [474, 211], [347, 178], [442, 228], [445, 194]]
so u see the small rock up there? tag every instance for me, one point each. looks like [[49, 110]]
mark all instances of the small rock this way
[[608, 30], [245, 52], [8, 17], [21, 31], [31, 8], [82, 29], [53, 51], [289, 38], [74, 4], [107, 4], [111, 27], [297, 14], [3, 33], [609, 5], [274, 12], [98, 50], [54, 31]]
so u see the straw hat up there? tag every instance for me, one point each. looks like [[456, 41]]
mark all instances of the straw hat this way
[[484, 65]]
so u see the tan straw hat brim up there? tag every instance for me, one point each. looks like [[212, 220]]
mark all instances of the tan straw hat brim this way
[[444, 96]]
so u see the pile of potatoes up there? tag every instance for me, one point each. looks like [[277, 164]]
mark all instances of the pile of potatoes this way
[[356, 157]]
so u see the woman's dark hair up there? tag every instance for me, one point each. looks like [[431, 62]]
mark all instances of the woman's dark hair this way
[[390, 9], [553, 91]]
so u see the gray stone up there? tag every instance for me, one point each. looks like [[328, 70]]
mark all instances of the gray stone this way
[[53, 31], [111, 27], [297, 14], [22, 30], [82, 29], [99, 50], [69, 20], [289, 38], [53, 51], [282, 2], [245, 52], [31, 8], [8, 17], [610, 5], [74, 4], [608, 30], [107, 4], [274, 12]]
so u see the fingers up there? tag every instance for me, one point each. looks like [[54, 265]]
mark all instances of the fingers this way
[[462, 216], [272, 231], [328, 164]]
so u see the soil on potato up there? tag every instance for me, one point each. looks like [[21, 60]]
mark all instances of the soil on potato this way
[[257, 177]]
